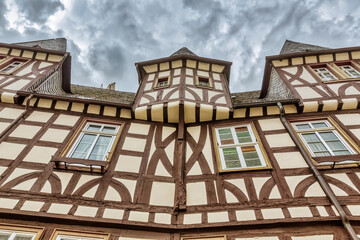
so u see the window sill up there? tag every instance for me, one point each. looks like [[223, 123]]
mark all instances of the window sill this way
[[204, 87], [80, 164], [338, 161], [341, 80], [222, 171]]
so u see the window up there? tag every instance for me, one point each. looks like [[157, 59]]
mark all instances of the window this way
[[325, 74], [72, 235], [203, 82], [95, 141], [349, 70], [10, 232], [239, 148], [11, 65], [162, 82], [322, 139]]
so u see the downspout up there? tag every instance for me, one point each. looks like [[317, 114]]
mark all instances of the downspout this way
[[324, 185], [22, 115]]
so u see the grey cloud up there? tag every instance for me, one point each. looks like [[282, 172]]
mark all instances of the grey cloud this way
[[39, 10]]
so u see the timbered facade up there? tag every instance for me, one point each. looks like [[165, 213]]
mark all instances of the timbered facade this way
[[183, 158]]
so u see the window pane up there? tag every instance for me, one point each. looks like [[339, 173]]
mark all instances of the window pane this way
[[303, 126], [243, 134], [109, 129], [100, 148], [317, 147], [84, 145], [94, 127], [311, 137], [322, 154], [231, 157], [23, 237], [319, 125], [4, 236], [338, 153], [225, 136], [328, 136], [336, 145], [251, 157]]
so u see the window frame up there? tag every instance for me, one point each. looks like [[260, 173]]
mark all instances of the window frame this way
[[156, 82], [10, 228], [334, 68], [4, 63], [65, 160], [197, 82], [344, 139], [257, 144], [77, 235]]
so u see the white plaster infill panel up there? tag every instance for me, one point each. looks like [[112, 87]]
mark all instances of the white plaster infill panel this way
[[34, 206], [245, 215], [271, 124], [128, 163], [55, 135], [66, 120], [25, 131], [298, 212], [193, 218], [8, 203], [313, 237], [280, 140], [113, 213], [349, 119], [214, 217], [138, 128], [196, 193], [38, 116], [138, 216], [86, 211], [272, 213], [10, 150], [40, 154], [162, 218], [10, 113], [259, 238], [59, 208], [134, 144], [162, 194]]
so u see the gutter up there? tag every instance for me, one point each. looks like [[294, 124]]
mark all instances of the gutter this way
[[324, 185], [22, 115]]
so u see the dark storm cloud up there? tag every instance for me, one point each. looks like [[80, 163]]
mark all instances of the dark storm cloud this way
[[106, 37], [38, 10]]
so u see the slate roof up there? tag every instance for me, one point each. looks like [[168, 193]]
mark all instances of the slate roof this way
[[57, 44], [101, 94], [183, 51], [296, 47]]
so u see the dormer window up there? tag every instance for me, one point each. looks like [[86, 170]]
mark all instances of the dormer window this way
[[163, 82], [325, 74], [349, 70], [11, 66], [204, 82]]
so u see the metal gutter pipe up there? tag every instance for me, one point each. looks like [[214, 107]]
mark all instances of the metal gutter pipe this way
[[324, 185]]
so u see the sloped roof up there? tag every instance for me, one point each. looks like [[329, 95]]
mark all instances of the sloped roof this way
[[101, 94], [296, 47], [57, 44], [183, 51]]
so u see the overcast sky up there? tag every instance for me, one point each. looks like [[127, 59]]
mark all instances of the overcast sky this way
[[106, 37]]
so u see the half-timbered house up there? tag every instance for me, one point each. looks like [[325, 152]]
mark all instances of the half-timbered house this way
[[183, 157]]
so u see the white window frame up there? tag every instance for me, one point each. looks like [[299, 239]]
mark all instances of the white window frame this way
[[10, 65], [14, 233], [329, 128], [348, 72], [98, 134], [238, 146], [323, 76], [63, 236]]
